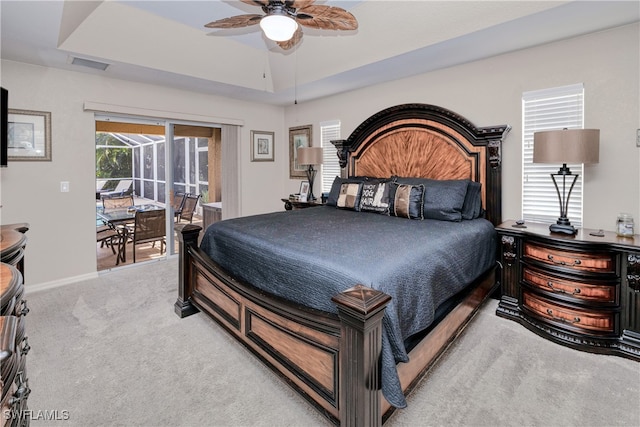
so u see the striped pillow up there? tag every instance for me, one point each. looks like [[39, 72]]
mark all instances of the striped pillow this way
[[407, 201]]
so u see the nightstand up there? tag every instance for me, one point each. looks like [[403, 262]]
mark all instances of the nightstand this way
[[293, 204], [581, 291]]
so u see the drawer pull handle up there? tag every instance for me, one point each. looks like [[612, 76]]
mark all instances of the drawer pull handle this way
[[23, 310], [25, 346], [562, 319], [23, 391], [550, 258], [576, 291]]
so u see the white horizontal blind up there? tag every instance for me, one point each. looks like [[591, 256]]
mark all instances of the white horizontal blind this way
[[330, 165], [549, 109]]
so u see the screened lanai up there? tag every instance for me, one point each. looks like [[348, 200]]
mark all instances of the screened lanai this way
[[141, 159], [133, 156]]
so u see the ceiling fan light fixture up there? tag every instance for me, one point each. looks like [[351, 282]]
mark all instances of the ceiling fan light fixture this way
[[278, 27]]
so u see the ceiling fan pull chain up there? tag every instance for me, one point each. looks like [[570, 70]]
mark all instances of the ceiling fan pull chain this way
[[295, 78]]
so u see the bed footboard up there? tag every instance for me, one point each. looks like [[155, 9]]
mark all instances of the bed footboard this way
[[331, 360]]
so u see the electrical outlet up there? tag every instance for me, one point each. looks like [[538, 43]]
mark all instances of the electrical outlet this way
[[638, 138]]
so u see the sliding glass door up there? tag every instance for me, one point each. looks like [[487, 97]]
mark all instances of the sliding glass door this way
[[164, 163]]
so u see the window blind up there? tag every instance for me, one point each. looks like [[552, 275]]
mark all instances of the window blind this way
[[329, 130], [549, 109]]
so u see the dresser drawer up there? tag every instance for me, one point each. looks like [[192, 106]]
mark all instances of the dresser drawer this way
[[570, 289], [587, 321], [597, 262]]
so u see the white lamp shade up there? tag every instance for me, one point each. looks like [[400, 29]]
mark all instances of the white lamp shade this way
[[567, 146], [309, 155], [278, 28]]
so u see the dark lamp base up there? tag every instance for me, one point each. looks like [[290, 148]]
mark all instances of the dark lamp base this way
[[563, 228]]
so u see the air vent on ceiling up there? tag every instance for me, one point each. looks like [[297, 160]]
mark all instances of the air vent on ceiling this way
[[89, 63]]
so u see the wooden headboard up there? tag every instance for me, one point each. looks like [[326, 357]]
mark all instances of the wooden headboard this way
[[427, 141]]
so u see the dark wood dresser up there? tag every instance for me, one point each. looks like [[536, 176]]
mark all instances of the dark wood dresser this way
[[581, 291], [14, 344]]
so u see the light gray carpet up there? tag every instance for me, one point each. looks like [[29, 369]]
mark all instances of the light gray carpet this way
[[111, 352]]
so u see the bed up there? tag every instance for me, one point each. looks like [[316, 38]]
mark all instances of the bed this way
[[345, 301]]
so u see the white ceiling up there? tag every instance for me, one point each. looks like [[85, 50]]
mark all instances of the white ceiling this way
[[165, 42]]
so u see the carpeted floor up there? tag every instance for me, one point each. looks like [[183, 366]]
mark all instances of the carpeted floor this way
[[111, 352]]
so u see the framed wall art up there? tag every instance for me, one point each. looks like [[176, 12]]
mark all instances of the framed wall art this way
[[298, 137], [262, 147], [29, 135]]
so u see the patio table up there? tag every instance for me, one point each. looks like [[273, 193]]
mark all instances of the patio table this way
[[118, 218]]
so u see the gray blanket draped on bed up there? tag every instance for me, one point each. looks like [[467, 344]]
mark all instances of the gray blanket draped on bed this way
[[309, 255]]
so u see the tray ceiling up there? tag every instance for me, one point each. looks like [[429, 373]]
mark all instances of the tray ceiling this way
[[165, 42]]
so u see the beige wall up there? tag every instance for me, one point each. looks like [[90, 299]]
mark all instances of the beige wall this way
[[489, 92], [61, 240]]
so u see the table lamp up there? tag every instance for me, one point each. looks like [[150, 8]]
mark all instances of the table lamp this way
[[310, 156], [565, 146]]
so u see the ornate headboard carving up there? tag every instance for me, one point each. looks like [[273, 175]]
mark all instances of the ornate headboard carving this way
[[427, 141]]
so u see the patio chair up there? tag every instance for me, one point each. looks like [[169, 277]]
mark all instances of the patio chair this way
[[189, 207], [106, 235], [100, 183], [176, 205], [117, 202], [123, 187], [149, 227]]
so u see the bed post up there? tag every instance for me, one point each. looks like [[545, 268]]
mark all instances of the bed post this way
[[493, 138], [360, 310], [187, 237]]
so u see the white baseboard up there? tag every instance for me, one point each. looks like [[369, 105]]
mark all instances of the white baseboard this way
[[69, 280], [58, 283]]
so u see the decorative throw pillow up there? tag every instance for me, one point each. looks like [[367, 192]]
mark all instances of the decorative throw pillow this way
[[406, 200], [332, 198], [375, 197], [349, 197]]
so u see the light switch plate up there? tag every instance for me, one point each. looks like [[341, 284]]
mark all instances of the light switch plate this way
[[638, 138], [64, 186]]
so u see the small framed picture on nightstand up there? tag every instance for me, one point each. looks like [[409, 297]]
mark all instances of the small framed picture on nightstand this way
[[304, 190]]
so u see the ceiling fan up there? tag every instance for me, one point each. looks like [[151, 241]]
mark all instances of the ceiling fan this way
[[283, 19]]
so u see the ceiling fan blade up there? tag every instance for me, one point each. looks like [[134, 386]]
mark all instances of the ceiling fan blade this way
[[326, 18], [297, 36], [235, 21], [259, 3], [299, 4]]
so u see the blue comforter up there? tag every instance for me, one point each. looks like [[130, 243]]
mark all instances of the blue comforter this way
[[309, 255]]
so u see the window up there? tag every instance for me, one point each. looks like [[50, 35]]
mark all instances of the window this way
[[549, 109], [330, 164]]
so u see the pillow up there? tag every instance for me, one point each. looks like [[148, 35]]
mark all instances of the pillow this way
[[443, 199], [406, 200], [332, 198], [349, 197], [472, 205], [375, 197]]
